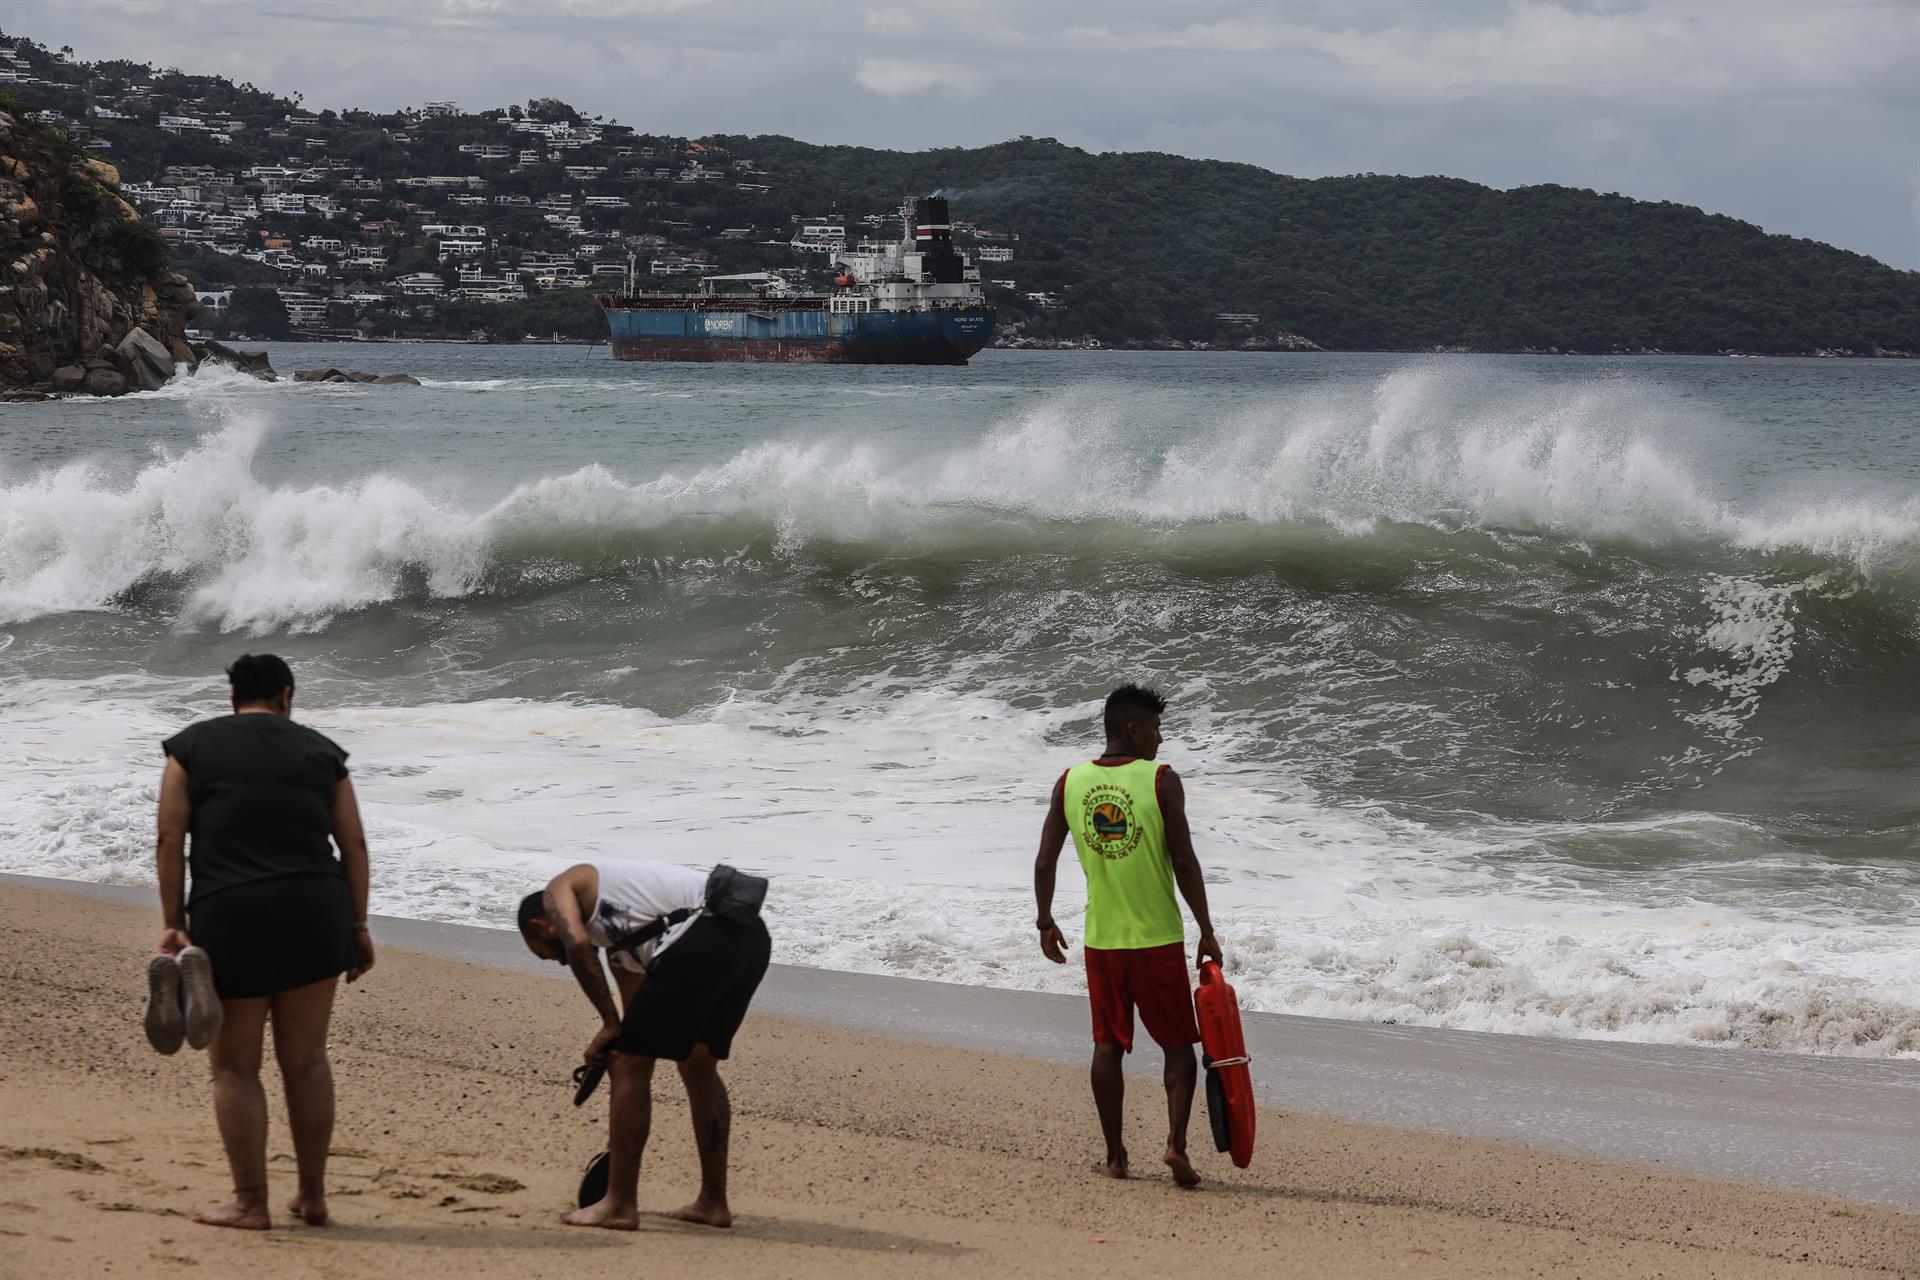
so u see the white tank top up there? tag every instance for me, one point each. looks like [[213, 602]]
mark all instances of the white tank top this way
[[635, 894]]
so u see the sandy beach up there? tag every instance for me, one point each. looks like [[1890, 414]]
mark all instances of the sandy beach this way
[[854, 1154]]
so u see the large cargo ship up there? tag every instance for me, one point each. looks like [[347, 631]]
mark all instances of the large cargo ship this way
[[916, 301]]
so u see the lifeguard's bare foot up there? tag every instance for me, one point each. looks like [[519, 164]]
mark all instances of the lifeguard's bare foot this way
[[245, 1217], [1183, 1173], [702, 1214], [601, 1214], [311, 1212]]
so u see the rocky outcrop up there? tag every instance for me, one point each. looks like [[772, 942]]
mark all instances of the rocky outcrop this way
[[253, 362], [80, 275], [341, 375]]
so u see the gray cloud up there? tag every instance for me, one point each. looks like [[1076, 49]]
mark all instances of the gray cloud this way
[[1804, 118]]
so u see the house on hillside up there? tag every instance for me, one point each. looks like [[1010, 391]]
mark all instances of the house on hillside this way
[[820, 237], [303, 309]]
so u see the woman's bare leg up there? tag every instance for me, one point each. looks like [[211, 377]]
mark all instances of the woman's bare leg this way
[[300, 1019], [240, 1108]]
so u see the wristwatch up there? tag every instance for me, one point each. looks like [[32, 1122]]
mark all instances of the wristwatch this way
[[1044, 923]]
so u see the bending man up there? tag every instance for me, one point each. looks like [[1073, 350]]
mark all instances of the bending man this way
[[685, 977], [1128, 817]]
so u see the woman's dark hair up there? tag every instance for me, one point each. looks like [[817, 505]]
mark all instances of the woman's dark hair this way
[[532, 907], [258, 677]]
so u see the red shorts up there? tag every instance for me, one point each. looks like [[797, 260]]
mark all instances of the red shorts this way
[[1153, 978]]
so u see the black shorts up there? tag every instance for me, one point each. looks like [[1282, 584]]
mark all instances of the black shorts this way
[[274, 935], [697, 991]]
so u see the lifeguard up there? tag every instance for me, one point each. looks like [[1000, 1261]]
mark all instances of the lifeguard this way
[[1128, 818]]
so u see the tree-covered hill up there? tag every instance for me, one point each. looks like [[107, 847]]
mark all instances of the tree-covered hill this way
[[1151, 246], [279, 200]]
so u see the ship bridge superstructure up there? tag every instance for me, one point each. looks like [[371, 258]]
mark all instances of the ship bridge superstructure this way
[[922, 271]]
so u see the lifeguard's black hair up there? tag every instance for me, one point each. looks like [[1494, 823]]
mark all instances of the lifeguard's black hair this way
[[532, 907], [1129, 703], [258, 677]]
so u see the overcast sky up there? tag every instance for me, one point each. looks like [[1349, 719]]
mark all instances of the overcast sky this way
[[1804, 118]]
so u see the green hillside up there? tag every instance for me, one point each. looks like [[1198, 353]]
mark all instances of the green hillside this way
[[1124, 248], [1151, 246]]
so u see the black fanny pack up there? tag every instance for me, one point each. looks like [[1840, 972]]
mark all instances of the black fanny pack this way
[[732, 895]]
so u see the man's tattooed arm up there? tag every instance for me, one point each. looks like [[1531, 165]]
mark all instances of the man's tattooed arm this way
[[582, 957]]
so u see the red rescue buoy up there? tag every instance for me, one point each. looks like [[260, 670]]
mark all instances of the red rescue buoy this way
[[844, 280], [1229, 1082]]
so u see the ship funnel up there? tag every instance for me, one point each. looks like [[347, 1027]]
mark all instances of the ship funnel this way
[[931, 221], [933, 237]]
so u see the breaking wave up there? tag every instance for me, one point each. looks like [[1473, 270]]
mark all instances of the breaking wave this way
[[1061, 481]]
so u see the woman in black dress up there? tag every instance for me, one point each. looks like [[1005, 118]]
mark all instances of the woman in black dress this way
[[265, 801]]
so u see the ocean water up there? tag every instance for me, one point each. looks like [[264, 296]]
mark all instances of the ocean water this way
[[1567, 697]]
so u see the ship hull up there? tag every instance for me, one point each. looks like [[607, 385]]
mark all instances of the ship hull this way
[[949, 335]]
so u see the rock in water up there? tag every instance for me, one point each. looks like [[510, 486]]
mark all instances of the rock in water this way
[[145, 362], [344, 375], [69, 377], [253, 362], [105, 382]]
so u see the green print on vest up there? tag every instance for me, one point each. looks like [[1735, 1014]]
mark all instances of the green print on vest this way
[[1108, 814]]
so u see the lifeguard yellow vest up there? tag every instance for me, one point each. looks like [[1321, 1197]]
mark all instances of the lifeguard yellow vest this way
[[1121, 837]]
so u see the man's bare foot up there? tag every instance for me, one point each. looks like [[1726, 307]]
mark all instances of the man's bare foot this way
[[704, 1214], [311, 1212], [1183, 1173], [246, 1217], [602, 1214], [1115, 1167]]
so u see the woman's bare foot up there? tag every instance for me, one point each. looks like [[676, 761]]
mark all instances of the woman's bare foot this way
[[313, 1212], [1183, 1173], [603, 1214], [246, 1217], [706, 1215]]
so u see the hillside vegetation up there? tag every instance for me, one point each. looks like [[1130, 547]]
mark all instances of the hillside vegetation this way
[[1151, 246]]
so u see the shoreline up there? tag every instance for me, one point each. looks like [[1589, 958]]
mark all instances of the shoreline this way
[[1800, 1123], [1125, 348]]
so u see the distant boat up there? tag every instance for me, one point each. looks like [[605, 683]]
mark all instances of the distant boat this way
[[916, 301]]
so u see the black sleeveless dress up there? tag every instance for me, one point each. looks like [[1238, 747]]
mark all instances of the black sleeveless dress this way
[[267, 897]]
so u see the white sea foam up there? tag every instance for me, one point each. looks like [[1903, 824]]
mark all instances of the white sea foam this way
[[900, 824]]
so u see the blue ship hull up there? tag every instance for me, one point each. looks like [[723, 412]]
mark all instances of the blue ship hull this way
[[657, 329]]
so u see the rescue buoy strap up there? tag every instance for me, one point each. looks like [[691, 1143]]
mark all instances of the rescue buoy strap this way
[[1241, 1061]]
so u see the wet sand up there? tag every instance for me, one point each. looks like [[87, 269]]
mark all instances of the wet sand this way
[[855, 1152]]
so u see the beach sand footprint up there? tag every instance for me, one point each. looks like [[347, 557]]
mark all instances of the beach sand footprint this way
[[71, 1161], [492, 1184]]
